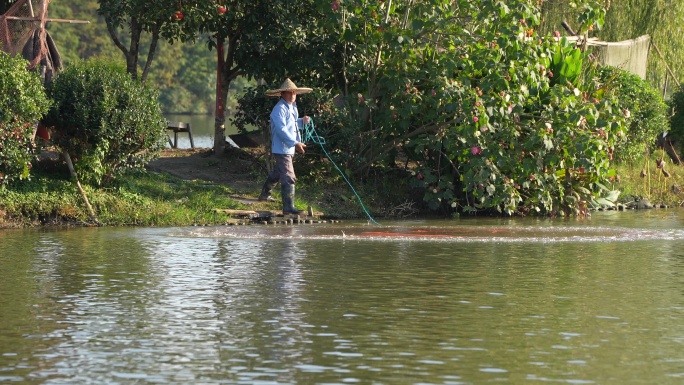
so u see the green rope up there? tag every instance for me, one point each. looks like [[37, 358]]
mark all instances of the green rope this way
[[310, 135]]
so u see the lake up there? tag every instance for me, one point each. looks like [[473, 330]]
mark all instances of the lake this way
[[202, 130], [469, 301]]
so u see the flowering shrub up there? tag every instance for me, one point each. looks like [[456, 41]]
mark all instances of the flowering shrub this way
[[496, 118], [491, 116]]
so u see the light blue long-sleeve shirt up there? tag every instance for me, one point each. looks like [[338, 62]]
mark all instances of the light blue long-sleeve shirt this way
[[285, 126]]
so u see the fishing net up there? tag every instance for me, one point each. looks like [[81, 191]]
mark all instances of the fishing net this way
[[630, 55], [22, 29]]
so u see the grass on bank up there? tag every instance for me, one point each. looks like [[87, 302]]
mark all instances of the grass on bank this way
[[136, 198], [144, 198], [642, 178]]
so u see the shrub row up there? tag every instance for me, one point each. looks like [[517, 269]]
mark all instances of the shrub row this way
[[94, 111]]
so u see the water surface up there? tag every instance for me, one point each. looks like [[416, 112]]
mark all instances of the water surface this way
[[471, 301]]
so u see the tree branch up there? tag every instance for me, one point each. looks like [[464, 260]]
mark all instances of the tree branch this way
[[115, 38], [153, 49]]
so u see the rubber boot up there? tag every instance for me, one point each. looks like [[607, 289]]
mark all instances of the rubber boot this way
[[265, 195], [288, 193]]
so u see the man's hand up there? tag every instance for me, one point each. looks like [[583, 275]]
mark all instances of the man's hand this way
[[306, 119], [299, 147]]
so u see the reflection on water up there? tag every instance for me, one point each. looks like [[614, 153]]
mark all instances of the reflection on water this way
[[449, 302]]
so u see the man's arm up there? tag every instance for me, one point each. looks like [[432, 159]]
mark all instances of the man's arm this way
[[278, 125]]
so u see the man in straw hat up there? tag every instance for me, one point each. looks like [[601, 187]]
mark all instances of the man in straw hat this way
[[285, 140]]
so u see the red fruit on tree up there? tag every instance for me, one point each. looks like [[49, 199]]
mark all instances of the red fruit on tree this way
[[221, 9], [178, 15]]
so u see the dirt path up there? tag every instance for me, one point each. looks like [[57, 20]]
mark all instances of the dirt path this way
[[241, 171]]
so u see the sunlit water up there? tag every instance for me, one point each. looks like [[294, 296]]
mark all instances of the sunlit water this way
[[202, 130], [471, 301]]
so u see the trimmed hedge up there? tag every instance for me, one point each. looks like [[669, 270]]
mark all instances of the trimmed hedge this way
[[647, 112], [106, 120]]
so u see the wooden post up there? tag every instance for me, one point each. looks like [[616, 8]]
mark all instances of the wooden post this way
[[666, 66], [568, 28], [72, 171]]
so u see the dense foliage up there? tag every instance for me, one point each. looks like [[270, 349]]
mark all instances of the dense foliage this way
[[676, 133], [487, 114], [22, 103], [186, 73], [485, 107], [645, 109], [104, 119]]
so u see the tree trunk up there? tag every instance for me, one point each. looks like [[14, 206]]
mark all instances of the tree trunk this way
[[134, 49], [225, 73], [151, 53], [220, 121]]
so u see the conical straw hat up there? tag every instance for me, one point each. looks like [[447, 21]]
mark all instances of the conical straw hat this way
[[288, 85]]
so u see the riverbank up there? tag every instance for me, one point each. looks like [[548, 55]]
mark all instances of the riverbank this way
[[186, 187], [183, 187]]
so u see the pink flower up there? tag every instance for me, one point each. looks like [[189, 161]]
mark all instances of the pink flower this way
[[550, 74], [475, 150], [556, 34], [361, 99], [335, 5], [419, 176], [475, 119], [434, 93]]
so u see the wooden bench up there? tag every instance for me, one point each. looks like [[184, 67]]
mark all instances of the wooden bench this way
[[177, 127]]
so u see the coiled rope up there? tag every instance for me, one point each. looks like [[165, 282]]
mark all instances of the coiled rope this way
[[310, 135]]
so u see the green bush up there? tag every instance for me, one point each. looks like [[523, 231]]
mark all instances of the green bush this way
[[676, 133], [254, 109], [22, 103], [645, 108], [104, 119]]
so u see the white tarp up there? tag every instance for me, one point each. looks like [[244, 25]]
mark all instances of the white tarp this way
[[629, 55]]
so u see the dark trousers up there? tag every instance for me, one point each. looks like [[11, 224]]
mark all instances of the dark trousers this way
[[283, 171]]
